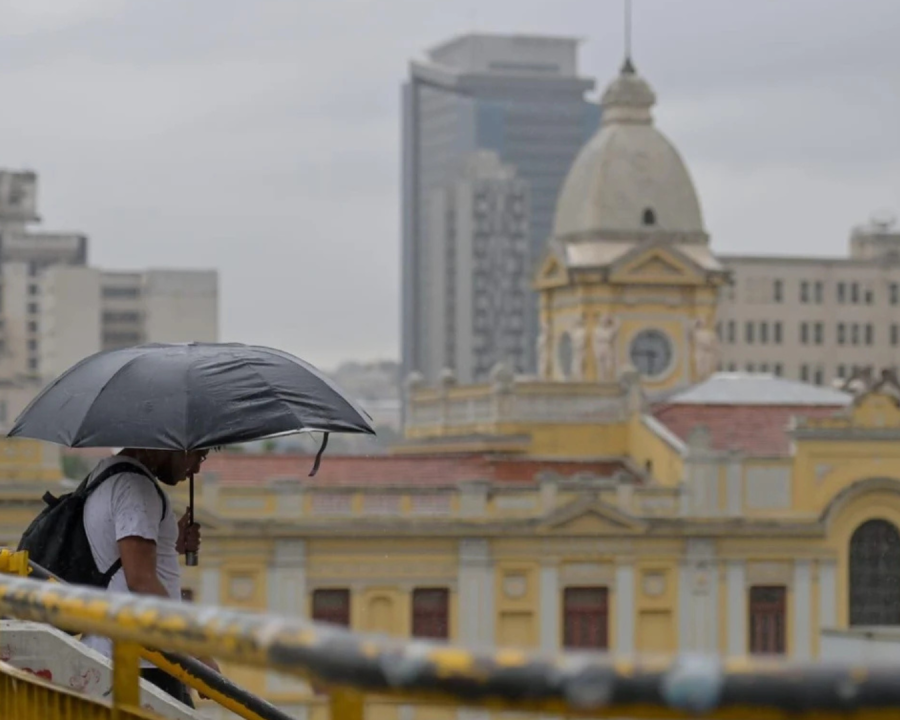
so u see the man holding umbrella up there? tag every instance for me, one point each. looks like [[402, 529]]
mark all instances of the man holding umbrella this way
[[174, 402], [128, 517]]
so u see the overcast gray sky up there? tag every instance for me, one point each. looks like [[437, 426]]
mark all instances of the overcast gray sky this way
[[261, 137]]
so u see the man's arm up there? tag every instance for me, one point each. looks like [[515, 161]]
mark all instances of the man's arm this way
[[139, 564]]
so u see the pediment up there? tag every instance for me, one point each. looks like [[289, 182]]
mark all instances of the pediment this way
[[552, 273], [656, 265], [590, 516], [876, 410]]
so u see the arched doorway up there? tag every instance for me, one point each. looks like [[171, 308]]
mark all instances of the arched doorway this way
[[875, 574]]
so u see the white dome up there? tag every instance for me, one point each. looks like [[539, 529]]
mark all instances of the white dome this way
[[629, 180]]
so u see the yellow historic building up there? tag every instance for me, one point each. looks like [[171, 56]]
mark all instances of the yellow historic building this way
[[628, 497]]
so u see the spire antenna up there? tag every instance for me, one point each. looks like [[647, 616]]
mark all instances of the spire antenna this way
[[627, 66], [628, 29]]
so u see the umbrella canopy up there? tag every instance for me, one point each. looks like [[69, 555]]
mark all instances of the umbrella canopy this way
[[189, 396]]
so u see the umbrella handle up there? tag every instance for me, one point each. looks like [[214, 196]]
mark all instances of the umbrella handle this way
[[190, 557]]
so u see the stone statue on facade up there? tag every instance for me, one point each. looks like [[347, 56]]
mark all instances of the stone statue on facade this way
[[579, 346], [706, 350], [544, 352], [605, 332]]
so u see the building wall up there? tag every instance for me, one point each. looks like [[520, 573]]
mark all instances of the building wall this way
[[834, 314], [181, 305], [70, 322]]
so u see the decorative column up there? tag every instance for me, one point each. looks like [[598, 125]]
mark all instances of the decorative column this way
[[736, 591], [698, 598], [476, 603], [210, 581], [550, 610], [827, 597], [625, 608], [476, 592], [802, 630], [286, 595]]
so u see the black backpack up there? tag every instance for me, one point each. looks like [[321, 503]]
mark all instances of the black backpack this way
[[56, 539]]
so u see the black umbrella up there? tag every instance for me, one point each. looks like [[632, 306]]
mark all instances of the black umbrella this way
[[187, 397]]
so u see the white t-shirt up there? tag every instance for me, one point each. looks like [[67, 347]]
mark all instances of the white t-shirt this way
[[128, 505]]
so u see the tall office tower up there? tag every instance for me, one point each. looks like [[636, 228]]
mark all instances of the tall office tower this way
[[518, 96], [479, 224]]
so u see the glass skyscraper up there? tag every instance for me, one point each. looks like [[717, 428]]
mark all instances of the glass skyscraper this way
[[519, 96]]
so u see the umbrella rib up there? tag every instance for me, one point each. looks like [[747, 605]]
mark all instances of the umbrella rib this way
[[245, 362], [100, 392]]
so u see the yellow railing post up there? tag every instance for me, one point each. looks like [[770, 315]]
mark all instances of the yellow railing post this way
[[126, 676], [344, 704]]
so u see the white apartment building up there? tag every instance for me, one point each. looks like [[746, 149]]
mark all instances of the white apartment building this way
[[83, 310], [815, 319], [56, 310]]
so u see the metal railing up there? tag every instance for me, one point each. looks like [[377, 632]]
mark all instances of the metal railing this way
[[188, 670], [351, 665]]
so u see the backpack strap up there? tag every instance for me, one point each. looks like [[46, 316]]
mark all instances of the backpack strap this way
[[116, 469]]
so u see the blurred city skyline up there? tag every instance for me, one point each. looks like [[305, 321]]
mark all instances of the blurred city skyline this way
[[263, 139]]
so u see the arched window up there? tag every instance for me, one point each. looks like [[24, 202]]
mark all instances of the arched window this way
[[875, 574], [649, 217]]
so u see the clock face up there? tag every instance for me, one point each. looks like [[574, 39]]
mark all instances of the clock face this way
[[651, 352]]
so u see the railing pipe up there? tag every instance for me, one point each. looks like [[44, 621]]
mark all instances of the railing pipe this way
[[198, 676], [570, 684]]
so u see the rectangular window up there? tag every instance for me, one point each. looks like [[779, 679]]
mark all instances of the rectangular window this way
[[854, 293], [767, 620], [748, 332], [894, 293], [841, 292], [764, 332], [804, 373], [819, 333], [854, 334], [732, 367], [804, 292], [32, 308], [804, 333], [777, 291], [819, 376], [841, 371], [732, 331], [841, 333], [750, 367], [819, 289], [331, 606], [764, 368], [431, 613], [870, 334], [586, 618], [776, 332], [870, 297], [779, 370]]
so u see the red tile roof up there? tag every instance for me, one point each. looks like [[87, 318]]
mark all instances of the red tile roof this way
[[386, 470], [757, 430]]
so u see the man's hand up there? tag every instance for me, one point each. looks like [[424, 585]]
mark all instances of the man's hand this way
[[213, 665], [188, 535]]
